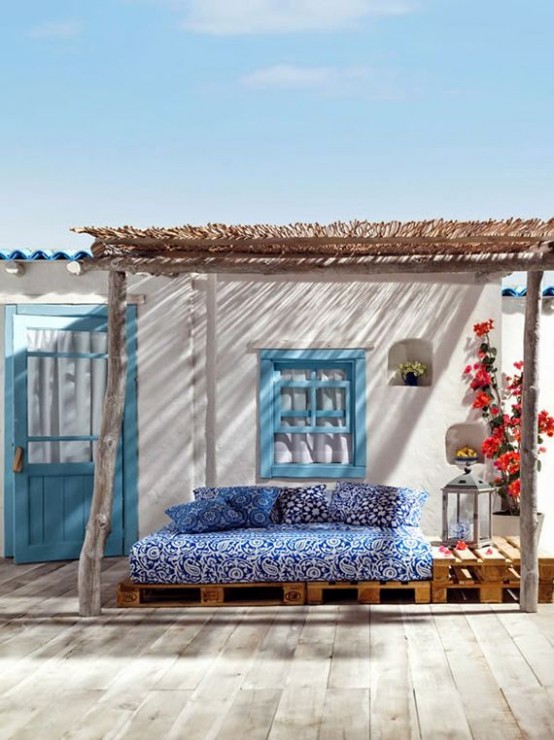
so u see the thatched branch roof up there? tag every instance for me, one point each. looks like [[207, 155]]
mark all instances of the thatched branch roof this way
[[269, 248]]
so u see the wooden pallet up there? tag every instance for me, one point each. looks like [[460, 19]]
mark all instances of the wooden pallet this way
[[368, 592], [270, 594], [222, 594], [490, 573]]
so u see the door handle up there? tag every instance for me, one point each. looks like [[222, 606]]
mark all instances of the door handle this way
[[17, 465]]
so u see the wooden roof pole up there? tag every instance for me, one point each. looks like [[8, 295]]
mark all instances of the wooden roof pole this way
[[100, 519], [529, 454]]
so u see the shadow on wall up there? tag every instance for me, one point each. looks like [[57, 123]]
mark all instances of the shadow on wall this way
[[361, 312], [165, 439]]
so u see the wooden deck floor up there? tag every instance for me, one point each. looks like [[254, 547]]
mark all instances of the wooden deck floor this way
[[328, 672]]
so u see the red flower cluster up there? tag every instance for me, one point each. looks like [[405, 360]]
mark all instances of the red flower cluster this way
[[482, 400], [502, 445], [546, 424], [482, 329]]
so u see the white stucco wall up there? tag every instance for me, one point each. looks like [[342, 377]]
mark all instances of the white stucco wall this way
[[198, 371], [406, 426], [513, 318]]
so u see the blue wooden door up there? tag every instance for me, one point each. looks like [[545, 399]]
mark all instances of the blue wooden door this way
[[59, 379]]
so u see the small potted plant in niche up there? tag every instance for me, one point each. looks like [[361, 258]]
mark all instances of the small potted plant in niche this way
[[412, 371]]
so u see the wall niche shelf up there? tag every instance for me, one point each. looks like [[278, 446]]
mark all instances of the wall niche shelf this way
[[410, 350], [469, 434]]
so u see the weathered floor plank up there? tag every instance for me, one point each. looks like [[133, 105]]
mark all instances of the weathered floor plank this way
[[303, 698], [310, 672], [350, 663], [393, 709], [251, 715], [486, 709], [527, 698], [432, 678]]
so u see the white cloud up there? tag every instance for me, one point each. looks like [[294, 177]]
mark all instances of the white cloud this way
[[56, 30], [233, 17], [334, 81]]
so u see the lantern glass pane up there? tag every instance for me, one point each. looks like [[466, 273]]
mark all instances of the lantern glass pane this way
[[484, 516], [460, 516]]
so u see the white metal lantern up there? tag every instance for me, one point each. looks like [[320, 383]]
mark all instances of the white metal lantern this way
[[467, 510]]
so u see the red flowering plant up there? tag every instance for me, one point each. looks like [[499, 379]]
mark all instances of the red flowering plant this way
[[500, 407]]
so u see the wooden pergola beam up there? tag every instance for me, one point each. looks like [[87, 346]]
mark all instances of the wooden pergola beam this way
[[529, 447], [169, 264], [100, 518]]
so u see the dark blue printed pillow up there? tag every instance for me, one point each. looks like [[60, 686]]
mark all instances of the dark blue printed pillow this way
[[254, 502], [304, 505], [260, 503], [201, 494], [374, 505], [205, 516]]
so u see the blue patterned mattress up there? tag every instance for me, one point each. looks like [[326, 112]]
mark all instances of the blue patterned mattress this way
[[281, 553]]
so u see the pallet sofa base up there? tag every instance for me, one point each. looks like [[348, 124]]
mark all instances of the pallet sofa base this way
[[268, 594], [131, 594], [488, 575]]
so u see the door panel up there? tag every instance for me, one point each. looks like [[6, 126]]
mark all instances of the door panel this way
[[60, 366]]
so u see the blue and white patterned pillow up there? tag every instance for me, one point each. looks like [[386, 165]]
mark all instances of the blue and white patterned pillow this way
[[304, 505], [206, 492], [205, 516], [376, 505], [254, 502]]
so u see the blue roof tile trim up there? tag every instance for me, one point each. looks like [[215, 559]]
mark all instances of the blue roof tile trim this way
[[43, 254], [522, 292]]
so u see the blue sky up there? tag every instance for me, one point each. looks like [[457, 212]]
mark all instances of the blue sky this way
[[175, 111]]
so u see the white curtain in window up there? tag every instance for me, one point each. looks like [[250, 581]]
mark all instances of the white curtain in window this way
[[312, 448], [64, 394]]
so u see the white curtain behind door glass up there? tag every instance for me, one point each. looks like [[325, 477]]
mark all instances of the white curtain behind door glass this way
[[312, 448], [64, 394]]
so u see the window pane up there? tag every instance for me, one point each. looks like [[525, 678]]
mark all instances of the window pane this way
[[330, 398], [313, 448], [60, 340], [61, 452], [296, 374], [65, 396], [295, 399], [331, 374]]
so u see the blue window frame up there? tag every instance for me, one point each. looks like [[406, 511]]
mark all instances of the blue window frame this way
[[312, 413]]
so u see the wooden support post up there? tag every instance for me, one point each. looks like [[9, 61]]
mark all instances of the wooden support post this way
[[529, 454], [100, 519]]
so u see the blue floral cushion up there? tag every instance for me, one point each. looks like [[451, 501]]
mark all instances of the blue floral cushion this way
[[254, 502], [205, 516], [283, 552], [373, 505], [305, 505], [205, 493]]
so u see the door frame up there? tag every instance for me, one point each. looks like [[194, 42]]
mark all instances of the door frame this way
[[129, 437]]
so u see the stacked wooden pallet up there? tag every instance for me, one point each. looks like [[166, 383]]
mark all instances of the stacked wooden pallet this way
[[267, 594], [490, 574], [213, 594], [369, 592]]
